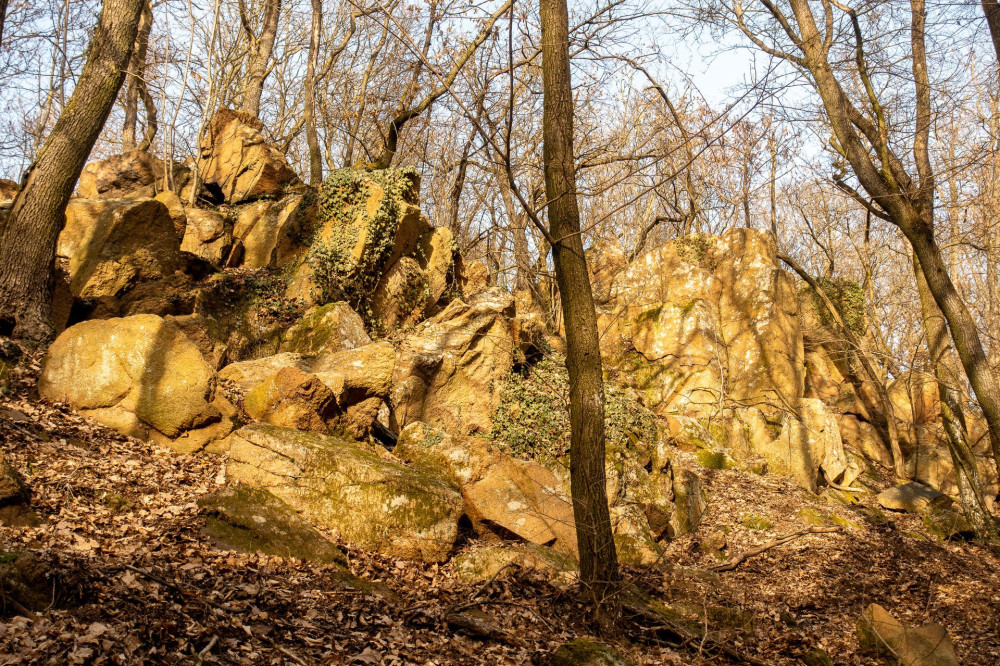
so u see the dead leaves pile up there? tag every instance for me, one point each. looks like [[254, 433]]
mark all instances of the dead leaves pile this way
[[137, 582]]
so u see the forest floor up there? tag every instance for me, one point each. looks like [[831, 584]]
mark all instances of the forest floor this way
[[139, 583]]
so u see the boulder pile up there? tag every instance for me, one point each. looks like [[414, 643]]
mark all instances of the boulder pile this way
[[361, 378]]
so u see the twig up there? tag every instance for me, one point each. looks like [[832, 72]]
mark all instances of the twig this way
[[729, 565]]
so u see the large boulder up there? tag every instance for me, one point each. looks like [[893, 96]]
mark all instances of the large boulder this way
[[291, 398], [450, 370], [912, 497], [272, 233], [238, 164], [128, 242], [325, 328], [371, 502], [524, 499], [207, 235], [366, 222], [881, 633], [139, 375], [133, 175]]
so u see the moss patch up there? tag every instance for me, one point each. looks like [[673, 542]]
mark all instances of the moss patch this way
[[338, 273], [753, 521]]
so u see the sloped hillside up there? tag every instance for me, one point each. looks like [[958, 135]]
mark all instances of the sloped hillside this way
[[297, 426]]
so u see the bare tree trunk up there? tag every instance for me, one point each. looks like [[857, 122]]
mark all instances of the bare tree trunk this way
[[261, 49], [3, 17], [970, 487], [28, 237], [136, 85], [598, 557], [991, 8], [309, 112]]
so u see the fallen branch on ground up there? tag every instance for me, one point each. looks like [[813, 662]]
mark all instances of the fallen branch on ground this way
[[729, 565]]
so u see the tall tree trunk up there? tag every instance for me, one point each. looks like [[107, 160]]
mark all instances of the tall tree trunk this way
[[37, 215], [261, 49], [991, 8], [136, 83], [309, 112], [598, 557], [3, 17], [970, 486], [963, 331]]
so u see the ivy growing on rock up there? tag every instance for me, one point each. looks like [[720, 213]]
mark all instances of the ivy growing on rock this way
[[532, 420], [343, 217], [848, 297]]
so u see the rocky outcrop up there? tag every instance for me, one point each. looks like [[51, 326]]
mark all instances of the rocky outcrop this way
[[113, 246], [139, 375], [450, 370], [236, 162], [133, 175], [371, 502], [705, 321]]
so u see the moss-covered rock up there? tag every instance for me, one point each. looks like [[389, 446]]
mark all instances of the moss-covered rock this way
[[253, 520], [139, 375], [465, 459], [587, 652], [366, 221], [485, 562], [328, 328], [371, 502]]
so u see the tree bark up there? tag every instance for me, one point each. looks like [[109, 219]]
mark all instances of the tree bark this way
[[991, 8], [136, 85], [309, 112], [3, 17], [598, 557], [261, 49], [942, 362], [37, 215]]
